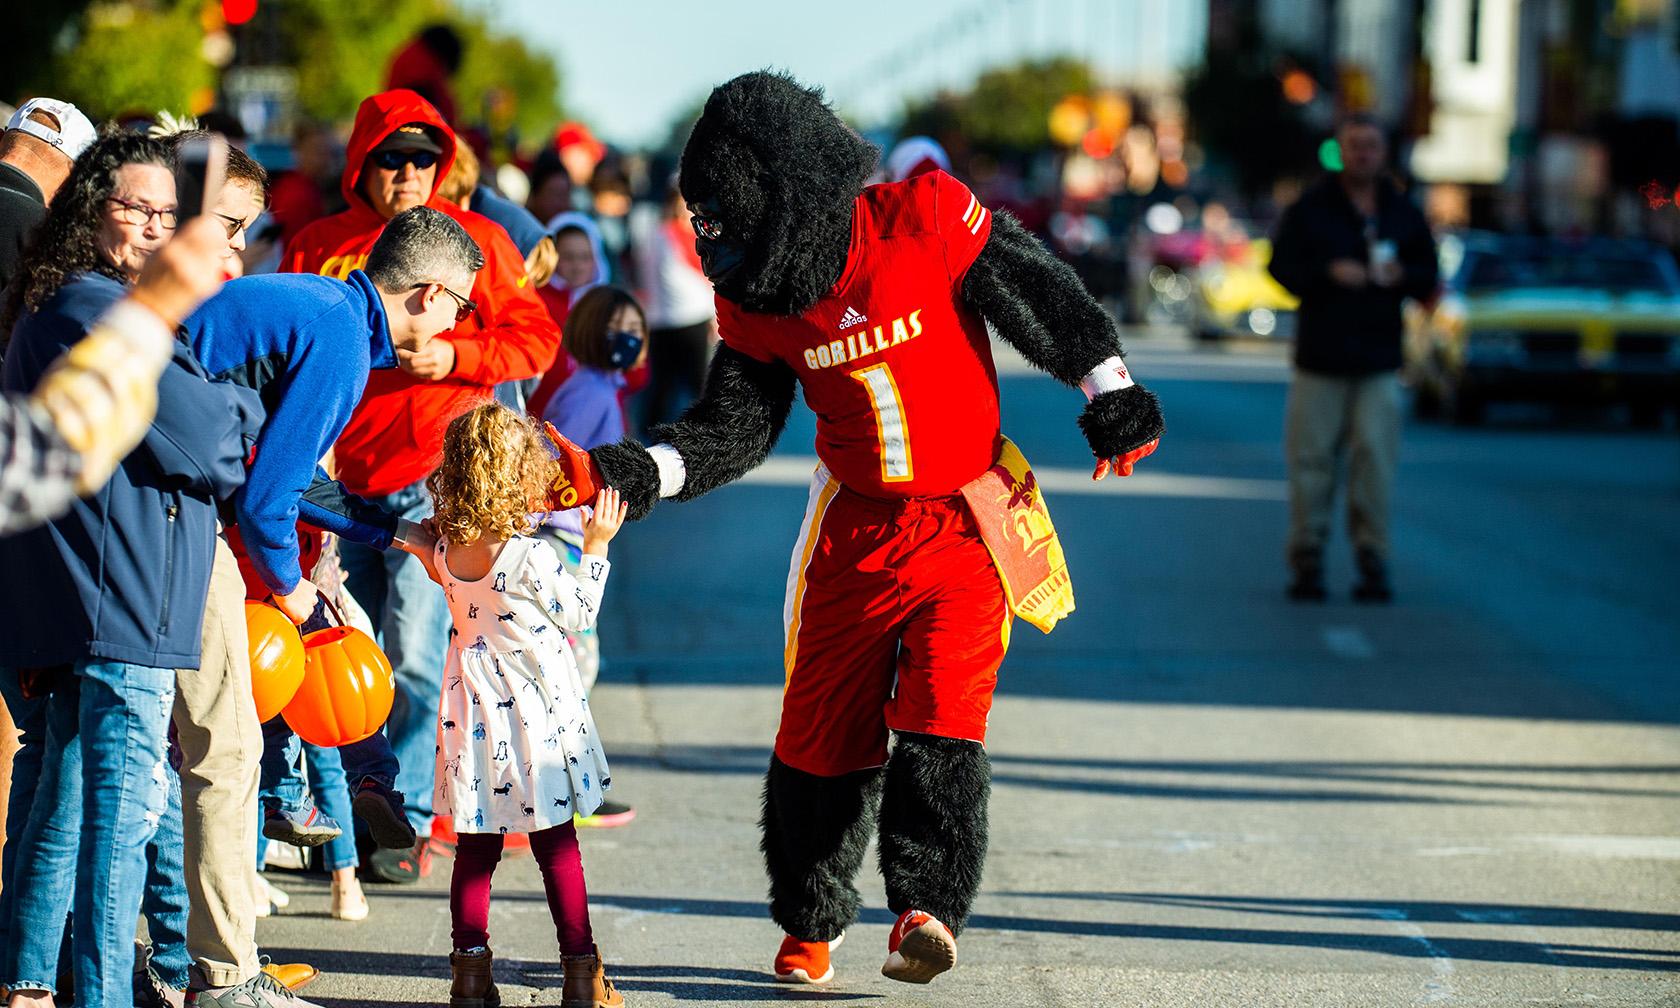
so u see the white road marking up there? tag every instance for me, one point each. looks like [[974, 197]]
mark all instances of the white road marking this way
[[1348, 642], [1652, 848], [1439, 986], [795, 470]]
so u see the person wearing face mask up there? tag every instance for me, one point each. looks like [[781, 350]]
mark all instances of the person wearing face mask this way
[[580, 266], [111, 611], [399, 153]]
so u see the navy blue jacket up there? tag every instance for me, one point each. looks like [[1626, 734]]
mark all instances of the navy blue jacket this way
[[1341, 330], [305, 344], [124, 575]]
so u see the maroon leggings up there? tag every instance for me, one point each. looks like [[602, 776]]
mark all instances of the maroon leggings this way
[[561, 864]]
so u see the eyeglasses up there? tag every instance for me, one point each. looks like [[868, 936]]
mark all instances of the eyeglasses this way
[[393, 160], [706, 226], [233, 224], [139, 214], [464, 307]]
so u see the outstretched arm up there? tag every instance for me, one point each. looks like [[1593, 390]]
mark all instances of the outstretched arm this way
[[728, 431], [1037, 305]]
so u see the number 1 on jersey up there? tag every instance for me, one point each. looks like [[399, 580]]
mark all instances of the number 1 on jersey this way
[[889, 422]]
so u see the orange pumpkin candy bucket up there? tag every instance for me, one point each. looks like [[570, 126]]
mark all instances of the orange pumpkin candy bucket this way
[[347, 687], [276, 658]]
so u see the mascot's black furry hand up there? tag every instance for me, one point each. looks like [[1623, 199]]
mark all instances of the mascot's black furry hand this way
[[1122, 426]]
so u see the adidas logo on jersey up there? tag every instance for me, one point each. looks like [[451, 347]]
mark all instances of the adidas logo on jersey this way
[[853, 317]]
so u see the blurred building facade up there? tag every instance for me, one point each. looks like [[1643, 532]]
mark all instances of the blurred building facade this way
[[1557, 116]]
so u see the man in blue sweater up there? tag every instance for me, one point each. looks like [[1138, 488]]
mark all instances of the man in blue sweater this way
[[306, 344]]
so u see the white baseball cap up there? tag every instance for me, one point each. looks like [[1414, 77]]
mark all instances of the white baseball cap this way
[[74, 134]]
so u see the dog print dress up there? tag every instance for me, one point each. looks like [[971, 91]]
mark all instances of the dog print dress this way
[[517, 750]]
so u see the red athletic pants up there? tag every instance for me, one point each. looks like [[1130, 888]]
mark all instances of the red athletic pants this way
[[895, 619]]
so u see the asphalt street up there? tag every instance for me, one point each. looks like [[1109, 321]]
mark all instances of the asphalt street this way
[[1203, 794]]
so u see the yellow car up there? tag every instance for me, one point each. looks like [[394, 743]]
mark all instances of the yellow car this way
[[1527, 318], [1235, 295]]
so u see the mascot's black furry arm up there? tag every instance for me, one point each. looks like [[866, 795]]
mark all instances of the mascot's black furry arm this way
[[724, 435], [1037, 305]]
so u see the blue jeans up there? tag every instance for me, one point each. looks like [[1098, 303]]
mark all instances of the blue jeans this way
[[328, 784], [37, 872], [412, 616], [164, 901], [102, 792]]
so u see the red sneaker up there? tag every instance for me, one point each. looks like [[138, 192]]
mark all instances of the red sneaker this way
[[805, 962], [919, 948]]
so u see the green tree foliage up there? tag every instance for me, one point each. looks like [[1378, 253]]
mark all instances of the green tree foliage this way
[[147, 54], [131, 56], [1008, 109], [503, 83], [343, 50]]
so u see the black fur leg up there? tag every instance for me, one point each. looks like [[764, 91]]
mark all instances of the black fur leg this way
[[1122, 420], [629, 469], [933, 825], [815, 833]]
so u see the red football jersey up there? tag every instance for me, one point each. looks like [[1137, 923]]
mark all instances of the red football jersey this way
[[897, 368]]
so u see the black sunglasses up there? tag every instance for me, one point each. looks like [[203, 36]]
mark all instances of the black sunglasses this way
[[393, 160], [706, 226], [464, 307]]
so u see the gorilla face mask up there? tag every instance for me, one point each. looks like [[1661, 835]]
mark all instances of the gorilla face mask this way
[[721, 256], [771, 174]]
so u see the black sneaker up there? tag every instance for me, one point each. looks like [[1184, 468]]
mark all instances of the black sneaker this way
[[149, 989], [399, 867], [1308, 586], [382, 809], [1373, 583]]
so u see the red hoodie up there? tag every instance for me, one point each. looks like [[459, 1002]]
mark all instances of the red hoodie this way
[[395, 437]]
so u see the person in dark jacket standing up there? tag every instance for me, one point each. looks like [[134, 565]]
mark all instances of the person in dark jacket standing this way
[[107, 603], [1352, 249], [42, 140]]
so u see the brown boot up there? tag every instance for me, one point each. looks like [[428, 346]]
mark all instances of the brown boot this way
[[474, 984], [586, 983]]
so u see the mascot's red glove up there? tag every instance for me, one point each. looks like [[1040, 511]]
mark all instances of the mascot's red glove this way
[[1121, 465], [579, 479]]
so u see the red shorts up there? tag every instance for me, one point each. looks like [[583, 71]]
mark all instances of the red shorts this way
[[896, 619]]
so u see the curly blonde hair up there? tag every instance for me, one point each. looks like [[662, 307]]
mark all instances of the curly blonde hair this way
[[496, 470]]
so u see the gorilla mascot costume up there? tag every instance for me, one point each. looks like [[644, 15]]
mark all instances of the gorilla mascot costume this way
[[876, 301]]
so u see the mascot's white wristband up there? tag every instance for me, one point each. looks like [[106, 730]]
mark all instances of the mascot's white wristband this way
[[672, 472], [1108, 376]]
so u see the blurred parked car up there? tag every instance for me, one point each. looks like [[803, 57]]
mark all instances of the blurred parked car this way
[[1527, 318], [1234, 295]]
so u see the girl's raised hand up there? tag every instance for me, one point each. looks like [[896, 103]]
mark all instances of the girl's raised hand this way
[[606, 519]]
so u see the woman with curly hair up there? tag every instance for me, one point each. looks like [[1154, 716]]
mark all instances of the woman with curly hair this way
[[517, 749], [104, 604]]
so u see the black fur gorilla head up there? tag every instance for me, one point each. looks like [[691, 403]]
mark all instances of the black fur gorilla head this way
[[776, 172]]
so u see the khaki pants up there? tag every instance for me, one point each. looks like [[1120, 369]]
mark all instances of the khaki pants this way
[[221, 746], [1332, 421]]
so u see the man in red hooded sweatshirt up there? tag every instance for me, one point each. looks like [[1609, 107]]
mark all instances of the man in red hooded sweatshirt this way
[[399, 152]]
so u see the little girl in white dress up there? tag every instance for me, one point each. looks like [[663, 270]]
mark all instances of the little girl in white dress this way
[[517, 749]]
